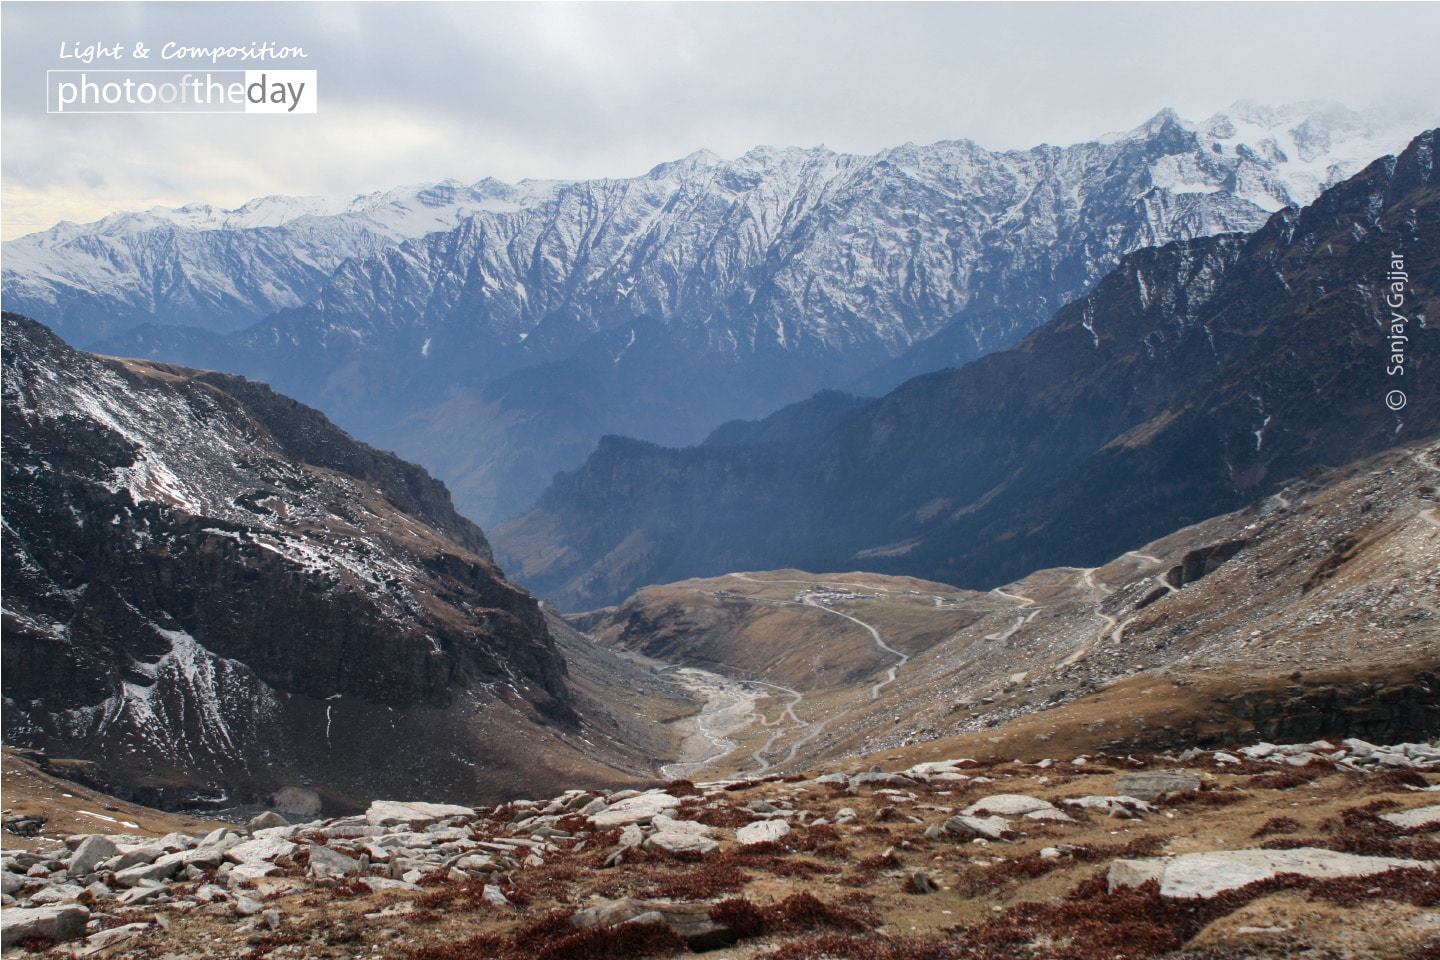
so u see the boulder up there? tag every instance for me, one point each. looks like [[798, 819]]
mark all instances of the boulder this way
[[762, 831], [145, 893], [1132, 873], [159, 871], [177, 841], [413, 814], [1049, 816], [690, 921], [251, 871], [92, 852], [63, 922], [1194, 875], [1122, 806], [1417, 818], [664, 824], [681, 843], [325, 862], [1007, 805], [266, 821], [246, 906], [261, 850], [1156, 785], [637, 809], [57, 893], [985, 828], [132, 856], [298, 802]]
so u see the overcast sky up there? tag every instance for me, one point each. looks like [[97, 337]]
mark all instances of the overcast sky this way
[[423, 91]]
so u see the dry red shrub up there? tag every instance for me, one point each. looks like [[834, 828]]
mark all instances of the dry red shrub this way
[[1206, 798], [863, 948], [726, 816], [797, 912], [1280, 780], [801, 867], [1384, 780], [1415, 885], [265, 944], [708, 881], [627, 941], [482, 947], [1277, 825]]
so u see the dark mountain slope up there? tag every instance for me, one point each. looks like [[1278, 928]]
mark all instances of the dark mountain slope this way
[[210, 589], [1194, 378]]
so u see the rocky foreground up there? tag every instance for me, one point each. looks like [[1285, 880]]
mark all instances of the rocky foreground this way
[[1316, 850]]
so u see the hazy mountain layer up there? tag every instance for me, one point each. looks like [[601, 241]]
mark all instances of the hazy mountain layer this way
[[1194, 378]]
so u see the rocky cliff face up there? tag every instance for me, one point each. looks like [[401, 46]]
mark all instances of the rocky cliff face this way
[[212, 590], [536, 319], [1193, 378]]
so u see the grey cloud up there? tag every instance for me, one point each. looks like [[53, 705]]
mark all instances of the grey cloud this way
[[415, 91]]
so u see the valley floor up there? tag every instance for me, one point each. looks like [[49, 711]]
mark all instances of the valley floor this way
[[938, 859]]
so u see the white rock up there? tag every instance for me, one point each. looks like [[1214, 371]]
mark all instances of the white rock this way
[[53, 923], [631, 836], [385, 813], [106, 938], [260, 850], [1109, 804], [761, 831], [1007, 804], [162, 869], [246, 906], [251, 871], [90, 854], [1206, 874], [983, 828], [635, 809], [57, 893], [1132, 873], [380, 884], [1413, 819], [683, 842], [664, 824], [133, 855], [1050, 816]]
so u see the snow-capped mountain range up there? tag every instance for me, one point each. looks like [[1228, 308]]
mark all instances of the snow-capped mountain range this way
[[222, 270], [527, 321]]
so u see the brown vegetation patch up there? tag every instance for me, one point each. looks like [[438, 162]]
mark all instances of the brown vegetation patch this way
[[1276, 825], [979, 880], [798, 912], [863, 948], [702, 884], [682, 788], [1206, 798], [1279, 780], [726, 816]]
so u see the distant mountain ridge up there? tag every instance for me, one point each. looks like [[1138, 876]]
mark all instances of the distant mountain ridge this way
[[541, 317], [1191, 380]]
